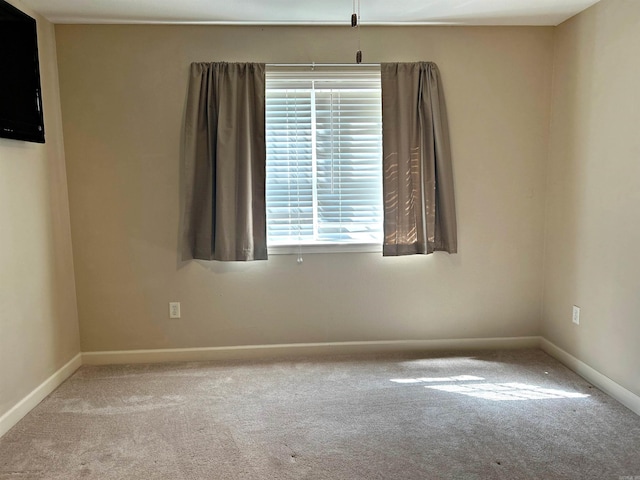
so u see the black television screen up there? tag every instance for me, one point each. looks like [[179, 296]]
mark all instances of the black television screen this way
[[20, 92]]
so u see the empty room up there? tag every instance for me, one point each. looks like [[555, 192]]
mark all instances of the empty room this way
[[277, 239]]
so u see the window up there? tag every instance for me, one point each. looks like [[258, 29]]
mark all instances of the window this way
[[324, 157]]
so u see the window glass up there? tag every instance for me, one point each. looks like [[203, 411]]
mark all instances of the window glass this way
[[324, 156]]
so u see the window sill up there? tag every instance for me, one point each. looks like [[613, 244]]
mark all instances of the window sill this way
[[325, 248]]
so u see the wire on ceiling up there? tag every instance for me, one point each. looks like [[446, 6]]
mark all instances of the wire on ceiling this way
[[355, 23]]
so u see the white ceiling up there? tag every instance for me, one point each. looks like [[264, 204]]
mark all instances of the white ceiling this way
[[305, 12]]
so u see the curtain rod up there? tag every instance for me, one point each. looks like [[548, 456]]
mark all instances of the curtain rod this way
[[312, 65]]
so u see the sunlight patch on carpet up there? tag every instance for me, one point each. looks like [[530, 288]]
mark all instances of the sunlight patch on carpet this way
[[506, 391], [457, 378]]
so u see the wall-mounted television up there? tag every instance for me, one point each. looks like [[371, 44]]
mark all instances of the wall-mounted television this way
[[20, 92]]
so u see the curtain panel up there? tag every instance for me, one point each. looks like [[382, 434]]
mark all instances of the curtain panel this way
[[224, 213], [419, 204]]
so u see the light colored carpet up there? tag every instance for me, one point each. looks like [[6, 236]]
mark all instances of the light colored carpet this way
[[483, 415]]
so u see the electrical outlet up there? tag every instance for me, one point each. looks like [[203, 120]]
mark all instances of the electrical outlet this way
[[174, 309], [576, 315]]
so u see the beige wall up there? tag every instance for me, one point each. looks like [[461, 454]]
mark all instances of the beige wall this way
[[38, 315], [123, 90], [593, 217]]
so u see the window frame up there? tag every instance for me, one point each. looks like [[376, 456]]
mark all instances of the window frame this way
[[332, 73]]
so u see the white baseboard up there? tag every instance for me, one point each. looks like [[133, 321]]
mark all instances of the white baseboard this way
[[604, 383], [24, 406], [253, 352]]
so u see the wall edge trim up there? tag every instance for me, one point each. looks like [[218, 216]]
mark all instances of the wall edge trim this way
[[248, 352], [601, 381], [253, 352], [29, 402]]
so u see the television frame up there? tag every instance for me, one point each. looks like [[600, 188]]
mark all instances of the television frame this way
[[31, 127]]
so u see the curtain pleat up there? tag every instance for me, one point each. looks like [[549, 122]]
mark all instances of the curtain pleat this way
[[419, 204], [224, 213]]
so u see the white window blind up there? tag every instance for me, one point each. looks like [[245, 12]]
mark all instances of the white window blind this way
[[324, 156]]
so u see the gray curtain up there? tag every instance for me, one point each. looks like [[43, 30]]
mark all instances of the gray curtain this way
[[224, 214], [419, 205]]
